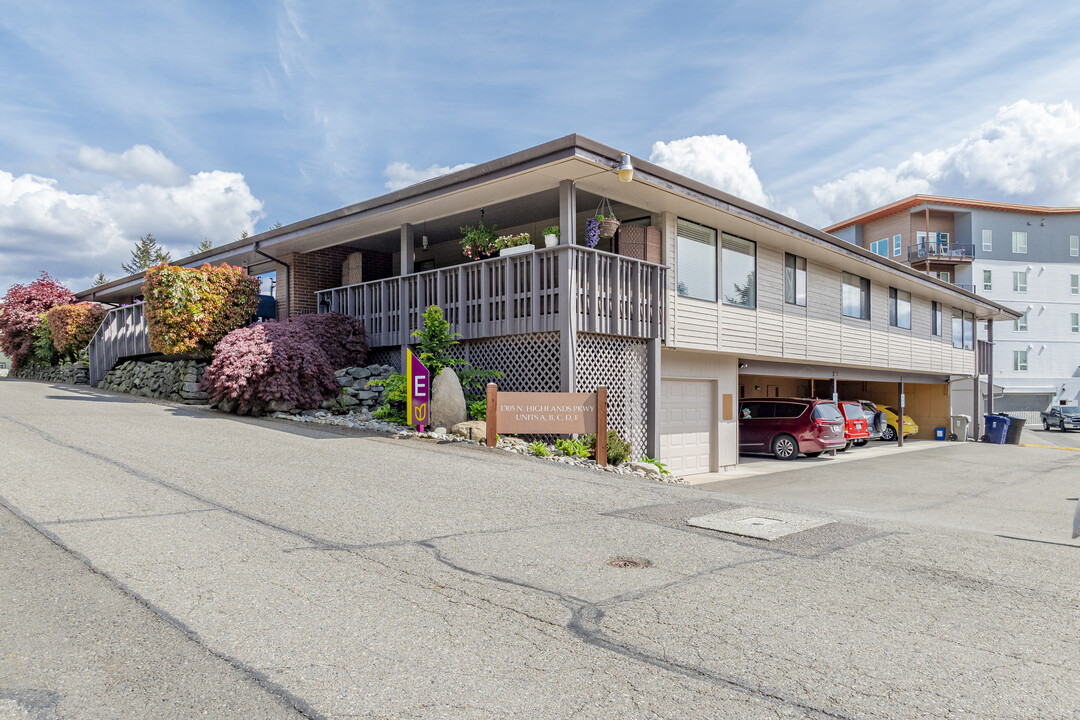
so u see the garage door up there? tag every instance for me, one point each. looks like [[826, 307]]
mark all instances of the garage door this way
[[686, 424]]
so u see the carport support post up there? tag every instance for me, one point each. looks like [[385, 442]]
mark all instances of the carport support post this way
[[652, 412], [900, 420], [405, 268], [835, 397]]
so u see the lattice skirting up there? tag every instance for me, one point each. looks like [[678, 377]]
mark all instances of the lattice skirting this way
[[620, 364], [385, 356]]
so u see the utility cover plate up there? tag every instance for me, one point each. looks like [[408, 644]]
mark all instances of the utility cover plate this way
[[758, 522]]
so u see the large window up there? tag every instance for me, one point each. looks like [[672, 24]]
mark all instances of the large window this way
[[957, 328], [1020, 281], [1074, 245], [1020, 323], [1020, 360], [696, 269], [988, 240], [895, 245], [738, 266], [794, 279], [1019, 242], [880, 247], [1074, 322], [856, 296], [899, 308], [935, 318], [969, 331]]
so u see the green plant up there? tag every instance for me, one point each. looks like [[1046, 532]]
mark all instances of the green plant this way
[[539, 449], [657, 463], [551, 230], [617, 448], [434, 341], [509, 241], [43, 351], [478, 409], [572, 447], [393, 397], [479, 240], [72, 326]]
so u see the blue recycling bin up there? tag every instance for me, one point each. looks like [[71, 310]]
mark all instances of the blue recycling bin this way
[[939, 433], [997, 428]]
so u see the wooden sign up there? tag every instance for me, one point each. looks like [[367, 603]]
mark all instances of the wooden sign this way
[[418, 383], [548, 414]]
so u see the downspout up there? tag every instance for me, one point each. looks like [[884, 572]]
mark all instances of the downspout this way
[[287, 272]]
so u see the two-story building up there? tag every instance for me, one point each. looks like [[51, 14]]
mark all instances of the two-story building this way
[[1023, 256], [699, 300]]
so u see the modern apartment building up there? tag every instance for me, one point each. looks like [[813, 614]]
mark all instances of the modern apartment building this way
[[1026, 257]]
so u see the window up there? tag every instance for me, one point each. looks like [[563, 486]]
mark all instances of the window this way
[[1074, 245], [943, 241], [899, 308], [987, 280], [696, 268], [1020, 360], [957, 328], [1074, 287], [1020, 281], [856, 296], [1020, 323], [738, 266], [988, 240], [1074, 319], [880, 247], [895, 245], [946, 276], [935, 318], [969, 331], [794, 279], [1019, 242]]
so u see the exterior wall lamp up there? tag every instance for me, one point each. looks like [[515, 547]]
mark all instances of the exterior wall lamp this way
[[626, 170]]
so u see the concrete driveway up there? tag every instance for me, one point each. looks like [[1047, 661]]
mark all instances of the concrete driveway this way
[[296, 570]]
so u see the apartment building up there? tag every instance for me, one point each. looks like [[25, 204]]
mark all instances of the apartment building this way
[[1026, 257]]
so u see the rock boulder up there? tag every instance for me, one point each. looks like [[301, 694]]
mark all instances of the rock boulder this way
[[447, 404]]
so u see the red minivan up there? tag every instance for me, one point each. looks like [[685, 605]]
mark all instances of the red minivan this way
[[855, 427], [786, 427]]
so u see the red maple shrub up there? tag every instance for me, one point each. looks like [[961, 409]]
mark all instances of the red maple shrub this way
[[289, 364], [72, 326], [20, 312], [191, 309]]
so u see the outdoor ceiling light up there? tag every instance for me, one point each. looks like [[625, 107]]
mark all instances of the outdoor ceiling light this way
[[626, 170]]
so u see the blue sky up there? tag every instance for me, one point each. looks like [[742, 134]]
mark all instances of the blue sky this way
[[199, 120]]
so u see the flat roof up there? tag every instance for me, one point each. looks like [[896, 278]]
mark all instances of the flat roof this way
[[917, 200]]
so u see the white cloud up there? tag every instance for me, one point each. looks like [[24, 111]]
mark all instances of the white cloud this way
[[76, 235], [715, 160], [141, 162], [401, 175], [1028, 152]]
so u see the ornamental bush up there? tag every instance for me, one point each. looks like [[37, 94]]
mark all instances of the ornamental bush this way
[[284, 365], [191, 309], [20, 313], [71, 327]]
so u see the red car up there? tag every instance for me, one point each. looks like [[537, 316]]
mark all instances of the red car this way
[[786, 427], [855, 427]]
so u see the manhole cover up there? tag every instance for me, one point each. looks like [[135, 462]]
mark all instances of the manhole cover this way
[[629, 563], [759, 521]]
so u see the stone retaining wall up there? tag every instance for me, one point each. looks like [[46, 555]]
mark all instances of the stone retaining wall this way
[[73, 374], [177, 381]]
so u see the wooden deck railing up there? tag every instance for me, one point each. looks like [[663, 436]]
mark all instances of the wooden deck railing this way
[[609, 294], [122, 333]]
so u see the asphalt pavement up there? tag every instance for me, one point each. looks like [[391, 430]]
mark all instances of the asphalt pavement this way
[[164, 561]]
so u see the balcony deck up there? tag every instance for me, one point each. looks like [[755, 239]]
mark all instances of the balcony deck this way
[[941, 253], [516, 294]]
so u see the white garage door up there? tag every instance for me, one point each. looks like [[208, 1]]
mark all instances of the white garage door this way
[[686, 423]]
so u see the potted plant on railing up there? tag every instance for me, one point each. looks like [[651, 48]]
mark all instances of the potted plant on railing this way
[[514, 244], [551, 236], [479, 241]]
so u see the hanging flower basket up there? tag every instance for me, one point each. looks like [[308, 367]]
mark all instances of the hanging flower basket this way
[[606, 217]]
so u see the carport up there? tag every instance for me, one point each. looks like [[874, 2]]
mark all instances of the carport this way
[[925, 395]]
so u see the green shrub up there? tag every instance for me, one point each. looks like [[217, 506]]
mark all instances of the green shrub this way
[[618, 450], [478, 409], [657, 463], [539, 449], [434, 341], [43, 352], [572, 448], [393, 398], [191, 309]]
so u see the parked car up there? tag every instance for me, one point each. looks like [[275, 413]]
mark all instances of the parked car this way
[[786, 427], [889, 433], [1062, 417], [855, 427], [876, 421]]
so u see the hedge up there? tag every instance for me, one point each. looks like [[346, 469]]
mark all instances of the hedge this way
[[191, 309], [71, 327], [20, 314]]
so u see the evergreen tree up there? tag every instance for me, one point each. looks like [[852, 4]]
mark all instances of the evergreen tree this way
[[146, 254], [100, 279], [203, 247]]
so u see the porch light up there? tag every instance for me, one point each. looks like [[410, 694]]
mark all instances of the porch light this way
[[626, 170]]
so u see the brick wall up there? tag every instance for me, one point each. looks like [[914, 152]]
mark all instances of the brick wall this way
[[312, 271]]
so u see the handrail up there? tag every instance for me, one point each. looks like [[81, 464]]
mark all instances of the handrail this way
[[123, 332], [941, 250]]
